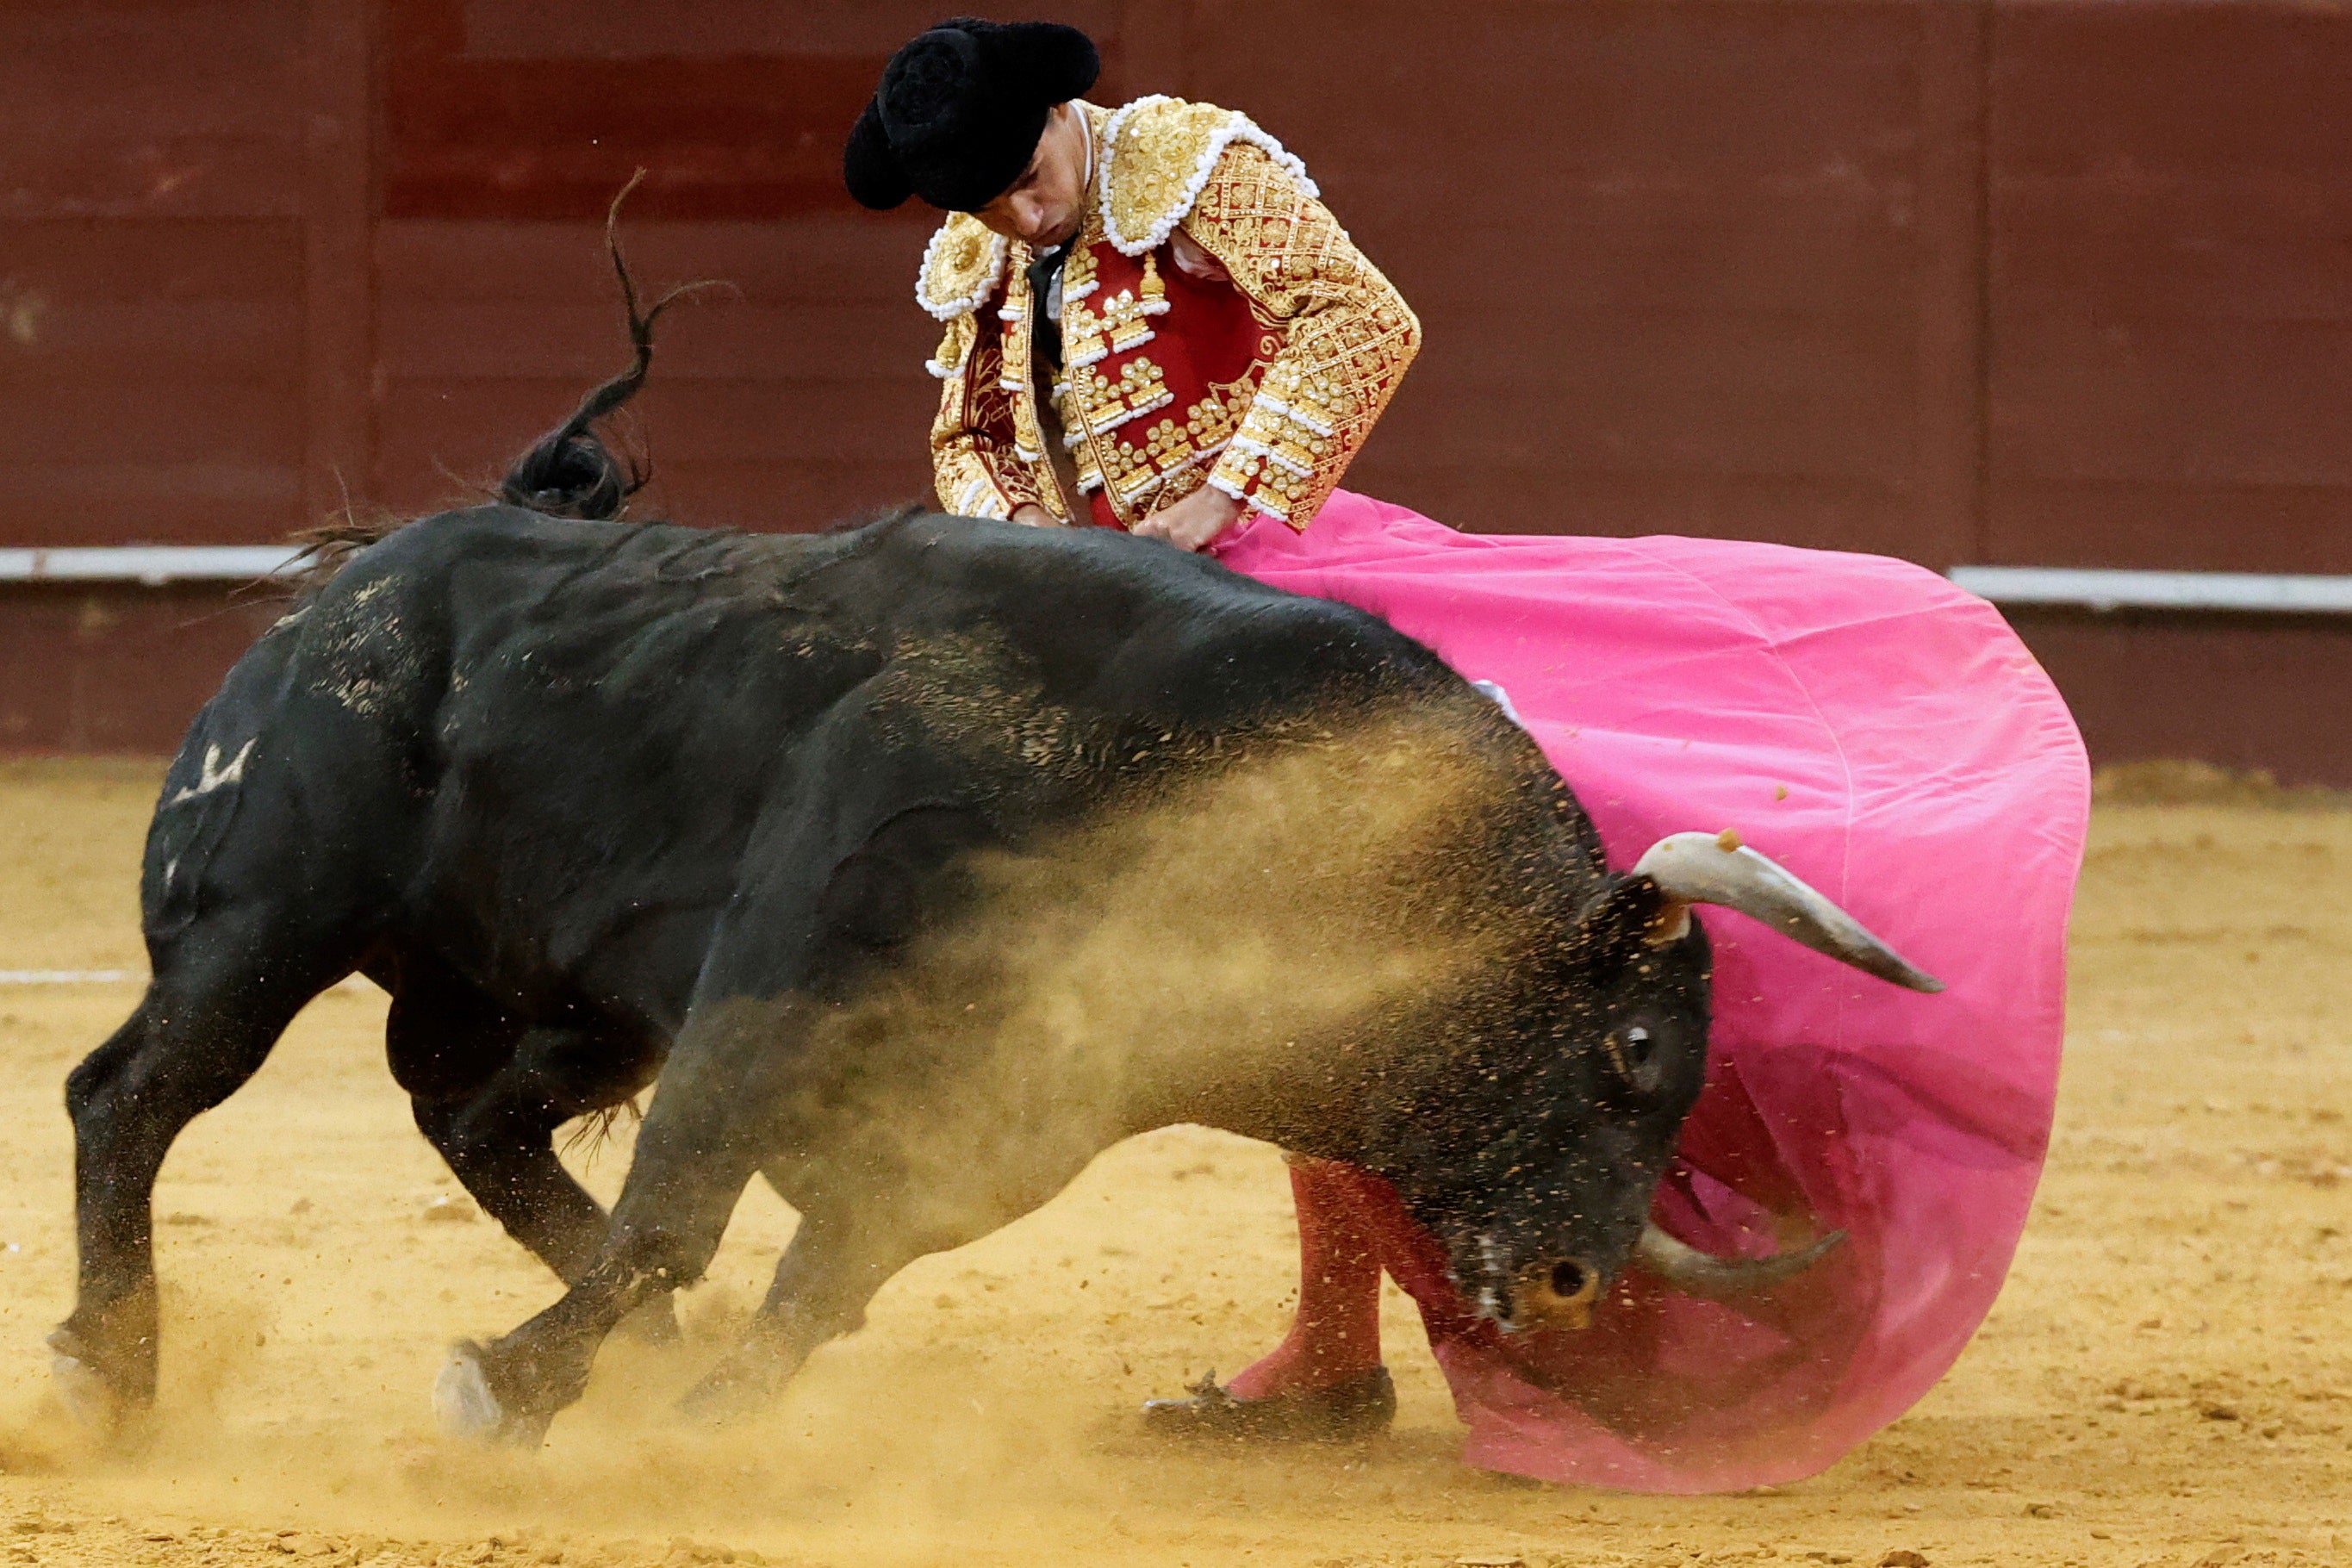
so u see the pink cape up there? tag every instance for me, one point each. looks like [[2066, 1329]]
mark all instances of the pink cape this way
[[1887, 738]]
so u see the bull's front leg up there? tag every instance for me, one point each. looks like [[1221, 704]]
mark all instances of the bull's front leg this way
[[509, 1389], [928, 1175], [822, 1283]]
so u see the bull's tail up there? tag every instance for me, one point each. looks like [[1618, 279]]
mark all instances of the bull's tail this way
[[569, 471]]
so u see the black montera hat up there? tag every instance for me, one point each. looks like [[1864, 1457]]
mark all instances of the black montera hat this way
[[960, 110]]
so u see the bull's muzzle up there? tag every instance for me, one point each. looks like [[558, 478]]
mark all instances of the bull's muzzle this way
[[1556, 1294]]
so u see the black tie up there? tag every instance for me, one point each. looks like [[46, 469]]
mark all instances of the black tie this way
[[1045, 276], [1045, 283]]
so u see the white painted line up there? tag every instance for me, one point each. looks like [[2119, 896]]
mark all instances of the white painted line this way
[[2261, 592], [153, 564], [71, 977]]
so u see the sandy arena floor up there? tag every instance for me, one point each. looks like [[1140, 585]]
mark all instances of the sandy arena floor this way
[[2168, 1379]]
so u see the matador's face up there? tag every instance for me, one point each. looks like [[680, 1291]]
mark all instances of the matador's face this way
[[1043, 208]]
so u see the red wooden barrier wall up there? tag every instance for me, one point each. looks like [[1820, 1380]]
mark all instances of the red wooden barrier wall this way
[[2040, 281]]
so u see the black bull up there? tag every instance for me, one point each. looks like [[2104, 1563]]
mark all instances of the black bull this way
[[766, 814]]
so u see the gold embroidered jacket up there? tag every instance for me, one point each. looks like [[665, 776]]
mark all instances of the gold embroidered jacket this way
[[1255, 359]]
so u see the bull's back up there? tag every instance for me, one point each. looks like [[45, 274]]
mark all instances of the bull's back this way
[[1133, 627], [502, 608], [513, 729]]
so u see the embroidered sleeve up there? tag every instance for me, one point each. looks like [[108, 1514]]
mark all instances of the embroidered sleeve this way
[[1349, 334], [973, 463]]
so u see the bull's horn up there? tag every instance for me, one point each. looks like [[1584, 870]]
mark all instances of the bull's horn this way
[[1716, 868], [1696, 1273]]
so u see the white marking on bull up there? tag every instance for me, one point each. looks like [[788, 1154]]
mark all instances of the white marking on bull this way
[[212, 776]]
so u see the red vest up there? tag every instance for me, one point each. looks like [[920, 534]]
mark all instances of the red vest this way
[[1154, 361]]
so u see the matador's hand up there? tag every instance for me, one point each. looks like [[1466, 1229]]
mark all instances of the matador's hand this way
[[1194, 521]]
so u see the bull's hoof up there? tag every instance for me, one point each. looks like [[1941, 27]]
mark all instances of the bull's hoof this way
[[1347, 1411], [718, 1399], [89, 1399], [96, 1401], [747, 1381], [464, 1405]]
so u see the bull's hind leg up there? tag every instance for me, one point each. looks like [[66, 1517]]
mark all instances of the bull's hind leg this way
[[699, 1147], [205, 1025], [488, 1091], [498, 1135]]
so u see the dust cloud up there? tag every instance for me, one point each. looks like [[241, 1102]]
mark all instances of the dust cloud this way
[[1248, 940]]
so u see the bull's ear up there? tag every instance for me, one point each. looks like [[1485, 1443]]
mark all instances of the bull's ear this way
[[1627, 917]]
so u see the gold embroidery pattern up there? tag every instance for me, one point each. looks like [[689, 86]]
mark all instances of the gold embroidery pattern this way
[[960, 267], [1079, 273], [1211, 420], [1161, 152], [955, 347], [1347, 335], [1120, 322], [975, 473], [1163, 443], [1104, 405], [1169, 473]]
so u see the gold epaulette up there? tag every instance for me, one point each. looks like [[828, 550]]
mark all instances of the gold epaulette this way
[[961, 267], [1160, 152]]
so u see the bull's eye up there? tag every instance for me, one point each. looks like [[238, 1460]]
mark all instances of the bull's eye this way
[[1630, 1055]]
